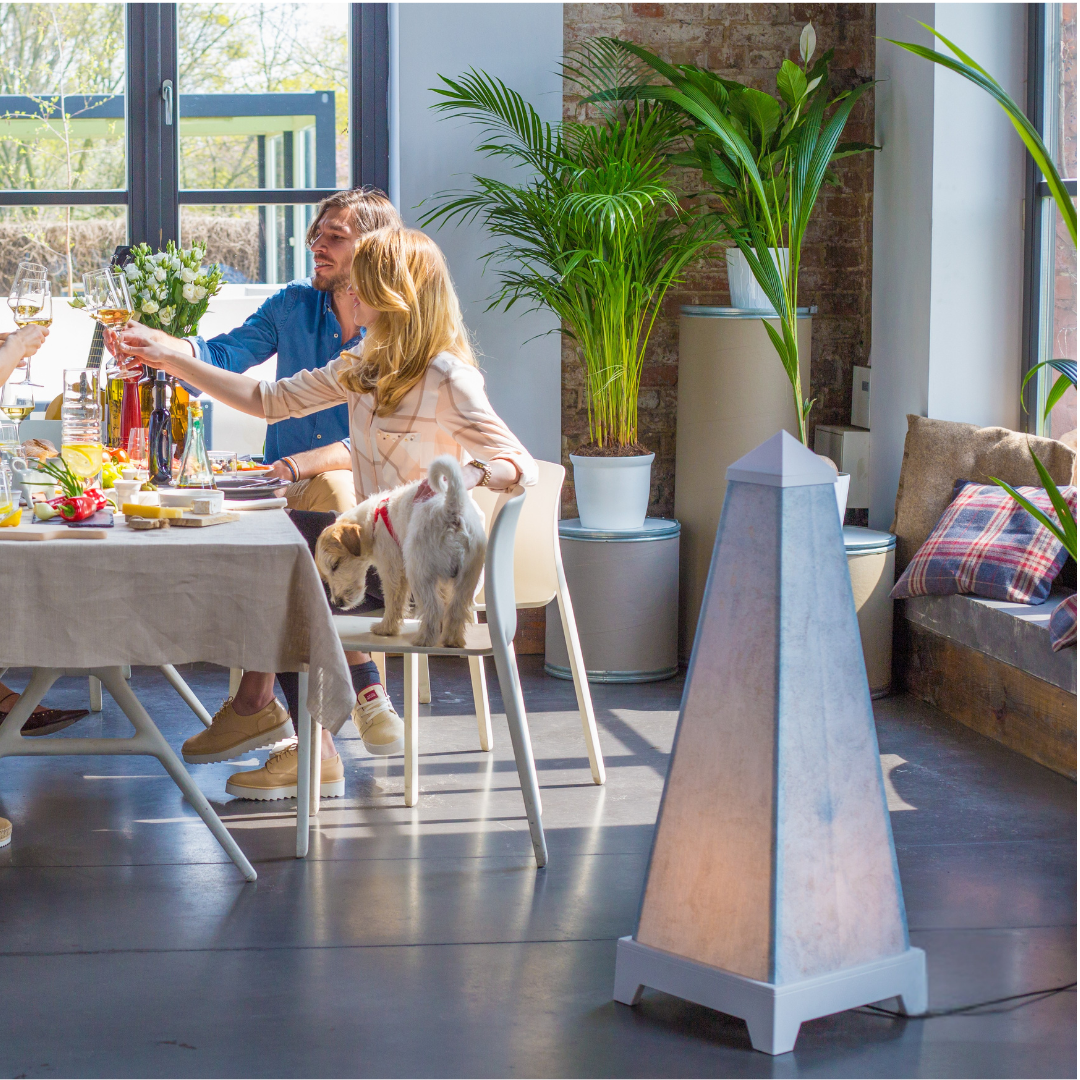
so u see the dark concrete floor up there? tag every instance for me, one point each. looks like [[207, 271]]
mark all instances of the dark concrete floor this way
[[424, 943]]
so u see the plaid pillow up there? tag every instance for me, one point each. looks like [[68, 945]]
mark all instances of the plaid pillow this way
[[989, 545], [1063, 624]]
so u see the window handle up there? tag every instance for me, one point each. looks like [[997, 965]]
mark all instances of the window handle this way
[[167, 97]]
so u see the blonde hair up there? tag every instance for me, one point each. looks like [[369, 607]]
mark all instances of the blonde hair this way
[[368, 207], [403, 275]]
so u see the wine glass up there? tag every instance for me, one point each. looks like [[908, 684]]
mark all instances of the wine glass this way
[[108, 299], [26, 271], [137, 448], [17, 400], [33, 307]]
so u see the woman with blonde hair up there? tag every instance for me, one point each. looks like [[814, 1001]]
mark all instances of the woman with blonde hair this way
[[413, 392]]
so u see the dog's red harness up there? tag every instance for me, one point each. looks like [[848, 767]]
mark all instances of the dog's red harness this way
[[383, 515]]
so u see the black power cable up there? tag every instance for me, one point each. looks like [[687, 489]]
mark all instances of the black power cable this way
[[1021, 1000]]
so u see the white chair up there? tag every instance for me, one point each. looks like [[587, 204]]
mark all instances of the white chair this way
[[494, 638], [538, 579]]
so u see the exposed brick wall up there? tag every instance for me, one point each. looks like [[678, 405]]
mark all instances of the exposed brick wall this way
[[748, 42]]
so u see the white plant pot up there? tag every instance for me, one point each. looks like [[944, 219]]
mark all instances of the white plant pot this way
[[745, 291], [612, 492], [842, 483]]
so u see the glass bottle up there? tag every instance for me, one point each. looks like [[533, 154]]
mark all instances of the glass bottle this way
[[146, 395], [180, 399], [195, 468], [114, 404], [130, 411], [160, 439], [80, 417]]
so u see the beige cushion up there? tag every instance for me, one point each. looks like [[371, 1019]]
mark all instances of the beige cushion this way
[[937, 453]]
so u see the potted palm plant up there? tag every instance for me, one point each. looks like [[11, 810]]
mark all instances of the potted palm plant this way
[[594, 231], [762, 162]]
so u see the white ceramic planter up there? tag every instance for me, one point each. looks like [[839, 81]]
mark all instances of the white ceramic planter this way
[[745, 291], [612, 492]]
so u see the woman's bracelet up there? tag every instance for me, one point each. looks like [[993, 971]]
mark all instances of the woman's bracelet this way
[[291, 466]]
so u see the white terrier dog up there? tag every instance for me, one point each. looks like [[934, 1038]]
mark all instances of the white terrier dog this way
[[433, 549]]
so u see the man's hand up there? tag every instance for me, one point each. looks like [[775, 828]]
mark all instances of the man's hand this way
[[280, 471], [312, 462]]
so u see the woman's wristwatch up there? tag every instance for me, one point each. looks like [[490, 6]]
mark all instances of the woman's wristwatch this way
[[485, 469]]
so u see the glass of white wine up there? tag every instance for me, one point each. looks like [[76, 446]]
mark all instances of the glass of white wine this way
[[24, 272], [33, 307], [108, 299], [17, 400]]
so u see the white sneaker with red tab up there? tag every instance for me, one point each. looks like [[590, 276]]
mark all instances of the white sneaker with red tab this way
[[382, 730]]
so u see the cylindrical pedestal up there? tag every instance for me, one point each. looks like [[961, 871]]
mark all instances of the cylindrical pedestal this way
[[871, 560], [625, 590], [733, 395]]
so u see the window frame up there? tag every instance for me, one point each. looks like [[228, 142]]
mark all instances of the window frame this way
[[1038, 236], [153, 196]]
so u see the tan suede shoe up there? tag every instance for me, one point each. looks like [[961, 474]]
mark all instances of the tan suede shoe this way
[[231, 735], [5, 832], [277, 778]]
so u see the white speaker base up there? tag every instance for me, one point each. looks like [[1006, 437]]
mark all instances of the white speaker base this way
[[772, 1013]]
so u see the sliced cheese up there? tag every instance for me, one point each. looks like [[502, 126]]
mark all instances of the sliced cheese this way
[[138, 510]]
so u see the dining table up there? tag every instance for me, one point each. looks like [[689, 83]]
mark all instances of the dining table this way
[[243, 594]]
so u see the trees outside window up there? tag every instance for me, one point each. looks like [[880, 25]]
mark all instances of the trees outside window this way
[[262, 102]]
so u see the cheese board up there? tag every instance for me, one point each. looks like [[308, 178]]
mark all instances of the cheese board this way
[[199, 521]]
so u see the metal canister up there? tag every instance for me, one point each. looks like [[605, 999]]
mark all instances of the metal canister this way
[[625, 590], [871, 557]]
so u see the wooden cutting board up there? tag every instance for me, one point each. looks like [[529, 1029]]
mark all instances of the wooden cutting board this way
[[51, 532], [198, 521]]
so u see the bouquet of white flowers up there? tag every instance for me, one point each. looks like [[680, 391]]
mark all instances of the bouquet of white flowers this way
[[171, 289]]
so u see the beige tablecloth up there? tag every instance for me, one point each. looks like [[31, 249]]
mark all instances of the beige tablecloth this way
[[243, 594]]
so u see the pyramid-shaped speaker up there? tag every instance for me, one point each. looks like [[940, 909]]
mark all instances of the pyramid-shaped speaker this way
[[772, 892]]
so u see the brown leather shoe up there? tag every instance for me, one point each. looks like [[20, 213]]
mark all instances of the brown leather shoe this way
[[48, 721]]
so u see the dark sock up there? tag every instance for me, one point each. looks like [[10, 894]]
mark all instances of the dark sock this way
[[289, 681], [364, 675]]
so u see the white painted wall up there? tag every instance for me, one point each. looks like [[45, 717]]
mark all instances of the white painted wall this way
[[903, 197], [976, 296], [522, 45], [948, 236]]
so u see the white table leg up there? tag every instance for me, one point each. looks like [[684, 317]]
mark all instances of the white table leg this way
[[304, 752], [95, 694], [185, 691], [147, 741], [235, 675], [412, 709]]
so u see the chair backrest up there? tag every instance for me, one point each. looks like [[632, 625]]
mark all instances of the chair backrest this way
[[535, 548], [499, 569]]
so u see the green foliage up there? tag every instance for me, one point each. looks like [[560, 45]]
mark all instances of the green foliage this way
[[762, 162], [592, 230], [970, 70]]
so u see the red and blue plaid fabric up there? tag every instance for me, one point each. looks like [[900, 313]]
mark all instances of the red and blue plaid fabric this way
[[1063, 624], [989, 545]]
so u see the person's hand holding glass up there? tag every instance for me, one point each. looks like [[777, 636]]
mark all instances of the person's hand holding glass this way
[[108, 300]]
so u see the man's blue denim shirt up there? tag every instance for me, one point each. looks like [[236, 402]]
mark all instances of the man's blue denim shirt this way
[[298, 323]]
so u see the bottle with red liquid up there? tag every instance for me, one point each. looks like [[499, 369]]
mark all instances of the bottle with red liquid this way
[[130, 411]]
